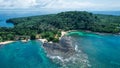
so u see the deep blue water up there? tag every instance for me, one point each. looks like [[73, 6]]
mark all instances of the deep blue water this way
[[117, 13], [7, 14]]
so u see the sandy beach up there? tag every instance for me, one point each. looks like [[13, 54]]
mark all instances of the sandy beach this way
[[6, 42], [43, 40], [63, 33]]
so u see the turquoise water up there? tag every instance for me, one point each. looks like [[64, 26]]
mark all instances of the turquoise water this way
[[103, 51], [24, 55]]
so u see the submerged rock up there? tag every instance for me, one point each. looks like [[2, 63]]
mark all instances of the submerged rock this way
[[66, 53], [64, 48]]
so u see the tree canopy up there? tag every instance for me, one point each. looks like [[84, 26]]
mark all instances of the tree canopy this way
[[48, 26]]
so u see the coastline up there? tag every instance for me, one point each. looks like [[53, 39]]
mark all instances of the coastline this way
[[88, 31], [100, 33], [42, 40], [63, 33], [6, 42]]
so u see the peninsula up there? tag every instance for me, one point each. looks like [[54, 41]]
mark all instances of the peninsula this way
[[50, 26], [51, 29]]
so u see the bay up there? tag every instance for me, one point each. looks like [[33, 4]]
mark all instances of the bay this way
[[102, 50]]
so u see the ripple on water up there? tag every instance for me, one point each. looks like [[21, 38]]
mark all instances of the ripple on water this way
[[78, 60], [83, 34]]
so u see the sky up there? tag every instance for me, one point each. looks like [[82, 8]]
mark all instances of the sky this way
[[61, 4]]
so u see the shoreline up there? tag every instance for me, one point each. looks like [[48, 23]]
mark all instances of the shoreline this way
[[6, 42], [43, 40], [88, 31], [63, 33], [100, 33]]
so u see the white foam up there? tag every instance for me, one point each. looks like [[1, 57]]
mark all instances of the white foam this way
[[57, 57], [76, 47], [77, 59]]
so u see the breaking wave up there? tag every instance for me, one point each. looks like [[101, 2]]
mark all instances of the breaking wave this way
[[78, 60]]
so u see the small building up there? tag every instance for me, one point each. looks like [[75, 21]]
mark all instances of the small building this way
[[21, 37]]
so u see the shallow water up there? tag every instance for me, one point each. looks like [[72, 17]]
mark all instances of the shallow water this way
[[94, 51], [102, 50], [24, 55]]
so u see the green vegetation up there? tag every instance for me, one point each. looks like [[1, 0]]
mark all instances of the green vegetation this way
[[51, 35], [50, 26], [6, 34], [0, 39]]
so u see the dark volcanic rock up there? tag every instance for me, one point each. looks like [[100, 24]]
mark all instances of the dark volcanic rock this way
[[64, 48]]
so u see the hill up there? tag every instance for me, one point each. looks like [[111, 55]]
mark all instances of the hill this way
[[50, 26], [72, 20]]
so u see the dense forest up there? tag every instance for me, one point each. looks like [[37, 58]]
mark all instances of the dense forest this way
[[50, 26]]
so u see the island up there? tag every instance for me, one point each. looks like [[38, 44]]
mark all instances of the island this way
[[50, 26], [51, 29]]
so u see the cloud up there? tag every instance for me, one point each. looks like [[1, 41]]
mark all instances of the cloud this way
[[60, 4], [69, 4], [17, 4]]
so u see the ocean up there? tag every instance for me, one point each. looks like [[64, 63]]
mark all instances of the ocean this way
[[8, 14], [95, 50]]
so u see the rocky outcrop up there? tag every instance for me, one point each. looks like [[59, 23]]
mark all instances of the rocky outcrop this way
[[64, 48]]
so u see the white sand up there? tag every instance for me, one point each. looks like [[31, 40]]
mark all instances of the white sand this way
[[6, 42], [43, 40], [62, 34], [24, 40]]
